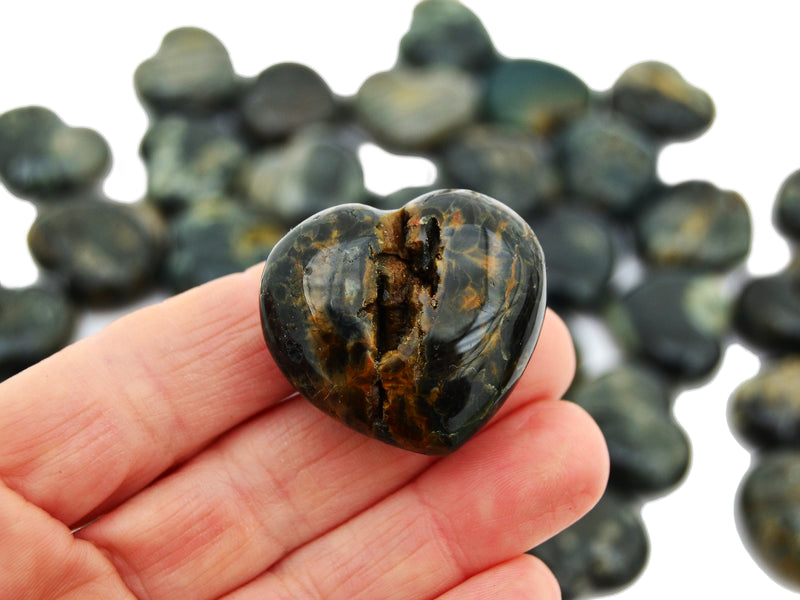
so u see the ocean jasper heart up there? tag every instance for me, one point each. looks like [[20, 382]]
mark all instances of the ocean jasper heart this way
[[410, 326]]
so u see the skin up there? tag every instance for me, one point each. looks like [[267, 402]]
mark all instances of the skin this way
[[212, 480]]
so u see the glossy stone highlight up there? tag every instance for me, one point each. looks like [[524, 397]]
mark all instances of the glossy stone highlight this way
[[768, 312], [410, 326]]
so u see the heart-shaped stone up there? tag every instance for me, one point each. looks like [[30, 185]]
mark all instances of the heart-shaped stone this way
[[410, 326]]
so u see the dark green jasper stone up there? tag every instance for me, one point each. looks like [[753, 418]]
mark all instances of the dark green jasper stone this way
[[604, 551], [580, 254], [503, 163], [284, 98], [659, 99], [105, 252], [189, 160], [191, 72], [765, 410], [215, 238], [447, 32], [769, 514], [676, 320], [697, 225], [533, 95], [609, 163], [768, 312], [787, 207], [416, 109], [35, 322], [649, 452], [409, 326], [42, 158]]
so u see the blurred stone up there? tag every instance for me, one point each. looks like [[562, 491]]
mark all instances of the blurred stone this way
[[787, 207], [602, 552], [769, 510], [658, 98], [768, 312], [42, 158], [695, 224], [447, 32], [649, 452], [415, 109], [533, 95], [190, 72]]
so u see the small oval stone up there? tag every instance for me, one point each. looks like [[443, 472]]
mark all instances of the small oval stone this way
[[445, 32], [608, 163], [787, 207], [190, 72], [42, 158], [657, 97], [105, 252], [695, 224], [189, 160], [604, 551], [503, 163], [284, 98], [649, 452], [409, 326], [765, 410], [35, 322], [768, 312], [769, 507], [533, 95], [215, 238], [415, 109], [580, 255], [676, 320]]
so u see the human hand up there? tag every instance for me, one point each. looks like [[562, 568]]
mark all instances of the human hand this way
[[172, 425]]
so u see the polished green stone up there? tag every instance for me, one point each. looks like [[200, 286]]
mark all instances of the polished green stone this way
[[42, 158], [768, 312], [787, 207]]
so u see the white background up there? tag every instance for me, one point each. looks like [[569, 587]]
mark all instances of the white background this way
[[78, 58]]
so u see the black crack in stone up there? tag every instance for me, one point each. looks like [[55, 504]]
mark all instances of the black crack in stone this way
[[765, 410], [649, 452], [447, 32], [189, 159], [409, 326], [284, 98], [579, 247], [414, 108], [105, 252], [695, 225], [191, 72], [675, 320], [35, 322], [608, 162], [504, 163], [602, 552], [767, 312], [658, 98], [42, 158], [535, 96], [769, 514], [215, 238], [786, 213]]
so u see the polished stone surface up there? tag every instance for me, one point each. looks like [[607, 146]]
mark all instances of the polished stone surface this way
[[765, 410], [190, 72], [649, 451], [659, 99], [604, 551], [284, 98], [787, 207], [416, 109], [35, 322], [769, 514], [535, 96], [104, 252], [42, 158], [696, 225], [409, 326], [768, 312]]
